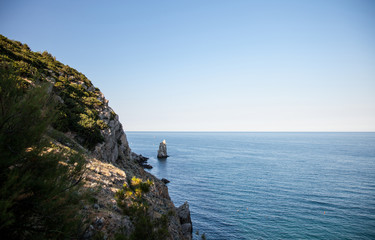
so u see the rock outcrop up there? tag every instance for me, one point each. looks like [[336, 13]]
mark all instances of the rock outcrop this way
[[113, 163], [164, 180], [162, 152], [109, 179], [115, 147], [141, 160], [184, 215], [115, 150]]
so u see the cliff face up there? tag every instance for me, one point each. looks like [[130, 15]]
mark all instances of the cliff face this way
[[116, 151], [115, 147], [84, 116]]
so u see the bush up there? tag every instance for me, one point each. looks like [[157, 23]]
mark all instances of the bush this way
[[131, 200], [39, 192], [76, 99]]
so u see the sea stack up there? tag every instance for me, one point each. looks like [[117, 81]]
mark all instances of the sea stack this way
[[162, 153]]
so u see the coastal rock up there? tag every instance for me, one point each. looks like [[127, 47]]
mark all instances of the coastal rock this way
[[147, 166], [164, 180], [110, 163], [162, 152], [113, 221], [115, 147], [187, 230], [184, 215], [141, 160]]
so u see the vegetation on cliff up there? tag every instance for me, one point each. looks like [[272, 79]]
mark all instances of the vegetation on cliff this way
[[64, 158], [130, 198], [78, 98], [40, 183]]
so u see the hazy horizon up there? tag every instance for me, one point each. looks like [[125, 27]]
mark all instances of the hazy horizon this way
[[248, 66]]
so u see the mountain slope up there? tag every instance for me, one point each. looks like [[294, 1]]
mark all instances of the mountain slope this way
[[84, 120]]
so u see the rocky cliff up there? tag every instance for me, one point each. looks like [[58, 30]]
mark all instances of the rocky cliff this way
[[85, 118], [115, 147], [115, 151]]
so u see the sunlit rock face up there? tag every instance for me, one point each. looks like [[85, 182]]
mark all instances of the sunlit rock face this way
[[115, 147], [162, 152]]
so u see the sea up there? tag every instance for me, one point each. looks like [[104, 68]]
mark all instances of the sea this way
[[263, 185]]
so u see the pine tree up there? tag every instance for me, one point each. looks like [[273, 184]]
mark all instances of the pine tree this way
[[39, 191]]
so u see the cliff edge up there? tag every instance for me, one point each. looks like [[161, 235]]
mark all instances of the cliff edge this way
[[86, 122]]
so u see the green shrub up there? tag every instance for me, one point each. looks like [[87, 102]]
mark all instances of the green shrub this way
[[77, 100], [131, 200], [40, 184], [130, 197]]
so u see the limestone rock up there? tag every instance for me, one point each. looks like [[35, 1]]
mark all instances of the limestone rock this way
[[184, 214], [141, 160], [162, 152], [111, 164], [115, 148]]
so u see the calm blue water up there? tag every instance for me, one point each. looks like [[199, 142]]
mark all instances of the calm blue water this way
[[269, 185]]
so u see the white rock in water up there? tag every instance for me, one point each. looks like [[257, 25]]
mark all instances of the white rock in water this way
[[162, 153]]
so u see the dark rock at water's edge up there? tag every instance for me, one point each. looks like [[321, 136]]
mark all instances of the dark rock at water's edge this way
[[162, 152], [183, 212], [164, 180], [147, 166], [141, 160]]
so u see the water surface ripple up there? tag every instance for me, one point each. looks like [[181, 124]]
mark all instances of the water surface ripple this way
[[269, 185]]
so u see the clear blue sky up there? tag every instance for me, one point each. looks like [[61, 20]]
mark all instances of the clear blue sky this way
[[214, 65]]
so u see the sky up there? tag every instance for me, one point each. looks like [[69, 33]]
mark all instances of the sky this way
[[214, 65]]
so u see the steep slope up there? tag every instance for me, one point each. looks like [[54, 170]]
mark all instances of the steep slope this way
[[86, 121]]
